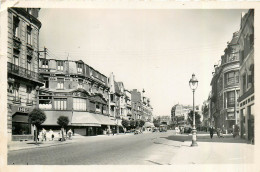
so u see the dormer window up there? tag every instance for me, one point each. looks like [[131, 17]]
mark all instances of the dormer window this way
[[80, 67], [60, 65], [45, 63], [29, 10]]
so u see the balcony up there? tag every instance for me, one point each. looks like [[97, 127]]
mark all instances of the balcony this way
[[17, 100], [16, 43], [29, 102], [29, 51], [24, 73]]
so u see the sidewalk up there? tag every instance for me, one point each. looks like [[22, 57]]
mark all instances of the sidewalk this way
[[20, 145], [227, 150]]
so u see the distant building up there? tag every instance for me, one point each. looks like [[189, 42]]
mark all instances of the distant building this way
[[22, 69], [136, 104], [179, 113]]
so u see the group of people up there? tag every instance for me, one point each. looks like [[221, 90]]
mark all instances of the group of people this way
[[220, 131], [44, 135]]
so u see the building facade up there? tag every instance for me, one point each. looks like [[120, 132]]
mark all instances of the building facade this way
[[225, 88], [246, 75], [78, 91], [22, 69]]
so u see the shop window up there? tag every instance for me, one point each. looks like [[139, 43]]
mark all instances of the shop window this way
[[29, 35], [16, 22], [60, 103], [60, 83], [20, 128], [79, 104], [60, 65]]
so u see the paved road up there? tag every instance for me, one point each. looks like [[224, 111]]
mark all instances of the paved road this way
[[150, 148]]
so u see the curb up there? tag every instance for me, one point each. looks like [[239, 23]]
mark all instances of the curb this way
[[37, 147]]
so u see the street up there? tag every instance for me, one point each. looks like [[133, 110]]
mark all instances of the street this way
[[147, 149]]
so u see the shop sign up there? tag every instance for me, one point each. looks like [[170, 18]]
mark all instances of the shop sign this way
[[23, 109]]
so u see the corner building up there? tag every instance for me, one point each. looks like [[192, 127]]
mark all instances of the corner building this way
[[22, 70], [76, 90]]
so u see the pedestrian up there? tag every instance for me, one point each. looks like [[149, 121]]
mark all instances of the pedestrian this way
[[51, 134], [70, 133], [44, 134], [113, 131], [211, 131]]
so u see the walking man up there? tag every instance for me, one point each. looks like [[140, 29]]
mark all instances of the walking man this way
[[211, 131]]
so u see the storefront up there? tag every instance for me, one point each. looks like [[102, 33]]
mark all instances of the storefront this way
[[21, 128]]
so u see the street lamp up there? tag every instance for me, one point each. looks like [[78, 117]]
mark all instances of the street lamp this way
[[193, 85]]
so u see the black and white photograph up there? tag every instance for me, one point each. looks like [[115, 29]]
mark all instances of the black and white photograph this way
[[128, 86]]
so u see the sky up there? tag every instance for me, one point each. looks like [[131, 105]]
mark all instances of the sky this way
[[154, 50]]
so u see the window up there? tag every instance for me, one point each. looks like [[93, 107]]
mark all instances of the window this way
[[29, 35], [29, 10], [237, 76], [16, 59], [80, 67], [98, 108], [230, 78], [45, 63], [244, 83], [60, 103], [29, 63], [46, 82], [29, 94], [60, 83], [80, 83], [16, 27], [79, 104], [16, 92], [60, 65], [231, 99]]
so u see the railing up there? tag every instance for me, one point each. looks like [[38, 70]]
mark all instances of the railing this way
[[29, 102], [17, 100], [12, 68]]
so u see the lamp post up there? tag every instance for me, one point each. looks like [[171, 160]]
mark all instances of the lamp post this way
[[193, 85]]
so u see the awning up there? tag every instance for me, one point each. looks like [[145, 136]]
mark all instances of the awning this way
[[105, 120], [84, 119], [148, 124], [52, 117]]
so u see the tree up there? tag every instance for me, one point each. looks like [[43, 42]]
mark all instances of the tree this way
[[36, 118], [125, 123], [142, 122], [63, 121], [197, 118], [156, 122]]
